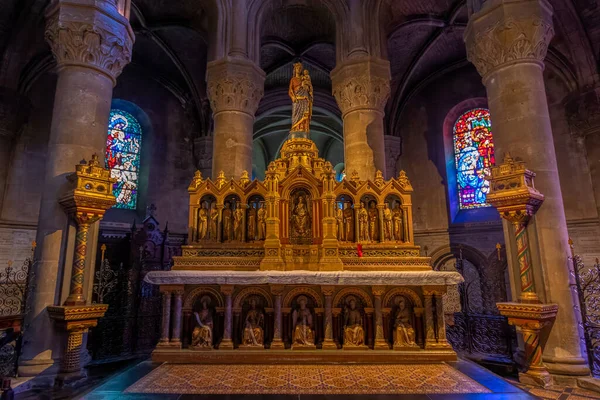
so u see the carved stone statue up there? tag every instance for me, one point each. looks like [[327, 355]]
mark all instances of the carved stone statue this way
[[340, 233], [398, 224], [373, 217], [387, 222], [214, 220], [238, 223], [253, 325], [251, 224], [404, 333], [202, 223], [301, 217], [303, 323], [363, 224], [301, 93], [227, 223], [262, 222], [202, 335], [354, 334], [348, 222]]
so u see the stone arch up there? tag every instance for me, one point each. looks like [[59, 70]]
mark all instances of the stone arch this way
[[367, 302], [402, 291], [287, 300], [191, 297], [249, 291], [442, 254]]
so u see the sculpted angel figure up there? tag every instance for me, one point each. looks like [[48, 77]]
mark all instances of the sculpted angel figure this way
[[404, 333], [373, 216], [301, 93], [227, 223], [262, 221], [202, 222], [251, 224], [253, 331], [303, 322], [354, 334], [238, 218], [348, 221], [398, 228], [202, 334], [214, 219], [339, 227], [363, 224], [387, 222]]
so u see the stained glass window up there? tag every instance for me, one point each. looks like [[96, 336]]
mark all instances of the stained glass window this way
[[123, 156], [473, 157]]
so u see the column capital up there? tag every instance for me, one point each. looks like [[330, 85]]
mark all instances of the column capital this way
[[362, 83], [582, 109], [90, 34], [227, 290], [277, 290], [378, 291], [506, 32], [234, 84], [328, 290]]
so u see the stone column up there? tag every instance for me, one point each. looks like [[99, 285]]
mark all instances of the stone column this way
[[91, 43], [177, 318], [393, 147], [277, 343], [583, 113], [361, 88], [507, 42], [227, 343], [166, 317], [328, 343], [235, 87], [429, 324], [439, 315], [380, 343]]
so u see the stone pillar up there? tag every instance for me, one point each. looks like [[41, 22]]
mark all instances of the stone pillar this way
[[235, 87], [440, 320], [380, 343], [328, 343], [227, 343], [177, 318], [583, 113], [277, 343], [361, 88], [429, 324], [507, 42], [166, 317], [393, 147], [91, 43]]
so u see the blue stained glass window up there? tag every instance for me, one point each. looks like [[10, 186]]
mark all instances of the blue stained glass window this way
[[123, 146], [473, 157]]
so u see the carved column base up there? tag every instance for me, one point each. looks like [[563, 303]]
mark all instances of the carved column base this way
[[531, 320], [277, 344], [329, 344], [381, 344], [226, 344], [76, 320]]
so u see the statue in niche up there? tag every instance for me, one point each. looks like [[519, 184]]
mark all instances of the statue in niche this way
[[387, 222], [373, 217], [253, 325], [202, 222], [404, 333], [397, 216], [363, 224], [301, 94], [251, 224], [238, 223], [303, 323], [354, 334], [300, 217], [348, 221], [340, 233], [202, 334], [262, 221], [227, 223], [214, 220]]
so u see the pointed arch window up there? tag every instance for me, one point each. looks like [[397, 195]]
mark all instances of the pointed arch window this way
[[122, 158], [473, 157]]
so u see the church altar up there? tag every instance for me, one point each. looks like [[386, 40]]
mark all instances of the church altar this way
[[307, 267]]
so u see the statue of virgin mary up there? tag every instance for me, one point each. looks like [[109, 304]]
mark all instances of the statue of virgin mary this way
[[301, 93]]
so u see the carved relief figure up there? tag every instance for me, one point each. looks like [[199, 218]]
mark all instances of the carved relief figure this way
[[363, 224], [301, 93], [373, 217], [398, 224], [404, 333], [262, 222], [202, 223], [227, 223], [354, 334], [253, 325], [340, 233], [202, 334], [303, 323], [300, 218], [251, 224], [387, 222], [214, 219], [238, 223], [348, 222]]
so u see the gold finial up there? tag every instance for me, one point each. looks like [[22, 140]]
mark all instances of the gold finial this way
[[33, 244], [220, 182], [244, 179], [498, 248], [379, 178], [354, 178], [10, 263], [94, 161], [403, 179]]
